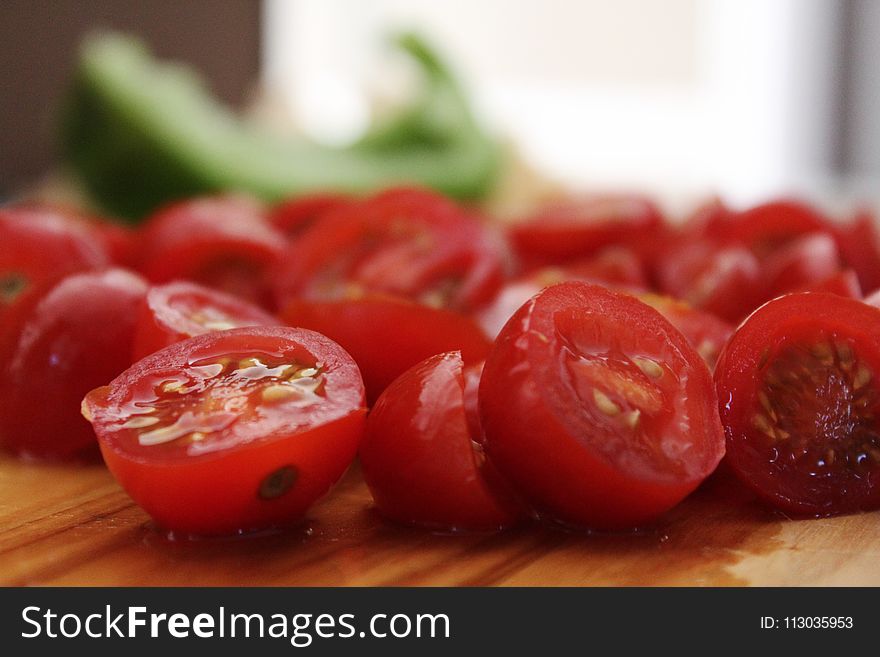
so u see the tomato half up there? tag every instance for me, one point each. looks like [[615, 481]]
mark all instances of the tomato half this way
[[180, 310], [386, 335], [231, 431], [40, 245], [223, 242], [597, 410], [405, 242], [293, 216], [766, 227], [58, 343], [844, 283], [859, 243], [578, 228], [799, 400], [806, 260], [420, 458]]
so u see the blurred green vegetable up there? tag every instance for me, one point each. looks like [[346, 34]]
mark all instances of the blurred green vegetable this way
[[139, 133]]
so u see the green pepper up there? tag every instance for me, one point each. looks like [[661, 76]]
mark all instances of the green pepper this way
[[138, 134]]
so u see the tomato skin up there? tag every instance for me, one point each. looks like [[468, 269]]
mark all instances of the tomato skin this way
[[770, 225], [806, 260], [537, 438], [56, 345], [166, 315], [39, 245], [859, 244], [295, 215], [844, 283], [387, 335], [218, 491], [405, 242], [795, 319], [223, 242], [418, 455]]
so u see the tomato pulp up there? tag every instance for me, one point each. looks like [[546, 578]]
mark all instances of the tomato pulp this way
[[597, 410]]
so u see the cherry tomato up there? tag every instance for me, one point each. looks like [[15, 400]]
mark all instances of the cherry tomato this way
[[844, 283], [420, 458], [725, 281], [180, 310], [386, 335], [859, 244], [766, 227], [58, 343], [614, 265], [231, 431], [222, 242], [40, 245], [799, 402], [404, 242], [293, 216], [597, 410], [120, 242], [706, 333], [804, 261], [578, 228]]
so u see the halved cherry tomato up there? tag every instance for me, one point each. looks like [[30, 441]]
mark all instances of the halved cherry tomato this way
[[614, 265], [180, 310], [706, 333], [420, 458], [597, 410], [231, 431], [58, 343], [725, 281], [406, 242], [579, 228], [799, 399], [39, 245], [769, 226], [844, 283], [294, 216], [386, 335], [222, 242], [806, 260], [859, 243]]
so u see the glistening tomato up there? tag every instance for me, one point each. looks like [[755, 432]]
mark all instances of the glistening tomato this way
[[180, 310], [421, 458], [597, 410], [232, 431], [799, 402], [56, 344]]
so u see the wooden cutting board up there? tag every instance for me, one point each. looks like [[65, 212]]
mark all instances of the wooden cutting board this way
[[72, 525]]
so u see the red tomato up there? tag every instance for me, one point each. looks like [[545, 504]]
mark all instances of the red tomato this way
[[121, 242], [597, 410], [706, 333], [873, 299], [222, 242], [180, 310], [293, 216], [766, 227], [725, 281], [404, 242], [859, 244], [420, 458], [805, 261], [58, 343], [615, 265], [844, 283], [387, 336], [799, 401], [581, 227], [231, 431], [40, 245]]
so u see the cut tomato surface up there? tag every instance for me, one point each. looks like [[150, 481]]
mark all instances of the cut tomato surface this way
[[40, 245], [223, 242], [232, 431], [421, 457], [797, 384], [58, 343], [410, 243], [387, 335], [180, 310], [597, 410]]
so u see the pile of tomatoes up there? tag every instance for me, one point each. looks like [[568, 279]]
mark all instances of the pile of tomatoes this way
[[589, 366]]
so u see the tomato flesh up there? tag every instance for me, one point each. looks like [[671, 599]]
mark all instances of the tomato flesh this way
[[180, 310], [231, 431], [799, 401], [57, 344], [597, 410], [421, 459]]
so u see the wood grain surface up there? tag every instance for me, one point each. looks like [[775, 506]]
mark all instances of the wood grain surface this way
[[72, 525]]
